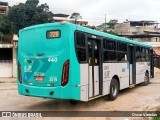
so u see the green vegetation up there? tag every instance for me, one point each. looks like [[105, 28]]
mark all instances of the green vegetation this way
[[108, 25], [112, 23], [76, 16], [110, 32], [156, 118], [5, 25], [23, 15]]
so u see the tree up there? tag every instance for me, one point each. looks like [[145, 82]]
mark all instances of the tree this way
[[112, 23], [110, 32], [16, 15], [29, 13], [5, 25], [76, 16]]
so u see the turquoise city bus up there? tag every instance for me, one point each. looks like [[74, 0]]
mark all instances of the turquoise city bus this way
[[67, 61]]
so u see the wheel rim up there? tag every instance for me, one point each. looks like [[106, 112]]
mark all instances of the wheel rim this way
[[114, 90]]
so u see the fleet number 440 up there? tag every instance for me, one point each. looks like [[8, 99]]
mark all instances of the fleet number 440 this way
[[54, 59]]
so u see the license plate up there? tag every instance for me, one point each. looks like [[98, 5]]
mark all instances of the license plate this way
[[39, 78]]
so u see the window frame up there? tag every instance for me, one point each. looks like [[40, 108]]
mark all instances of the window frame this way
[[80, 47], [139, 53], [122, 61], [147, 60], [104, 49], [105, 40], [143, 53], [122, 52], [109, 61], [116, 51], [108, 50], [122, 43]]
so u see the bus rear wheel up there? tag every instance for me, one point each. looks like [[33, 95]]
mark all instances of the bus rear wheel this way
[[114, 89], [73, 102]]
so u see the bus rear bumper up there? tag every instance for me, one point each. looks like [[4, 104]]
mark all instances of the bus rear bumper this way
[[59, 92], [46, 92]]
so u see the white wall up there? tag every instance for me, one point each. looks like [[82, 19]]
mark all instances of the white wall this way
[[5, 69]]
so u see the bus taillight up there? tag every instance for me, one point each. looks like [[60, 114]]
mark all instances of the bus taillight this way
[[65, 73], [19, 72]]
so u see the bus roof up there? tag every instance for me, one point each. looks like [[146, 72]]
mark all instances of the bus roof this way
[[88, 30]]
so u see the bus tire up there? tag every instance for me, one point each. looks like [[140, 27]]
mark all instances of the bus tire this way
[[73, 102], [114, 89], [146, 79]]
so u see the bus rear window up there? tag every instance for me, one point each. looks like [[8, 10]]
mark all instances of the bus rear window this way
[[34, 40], [53, 34]]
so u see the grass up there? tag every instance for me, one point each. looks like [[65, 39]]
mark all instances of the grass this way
[[156, 118]]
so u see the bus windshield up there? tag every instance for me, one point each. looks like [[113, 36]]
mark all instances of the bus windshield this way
[[37, 41]]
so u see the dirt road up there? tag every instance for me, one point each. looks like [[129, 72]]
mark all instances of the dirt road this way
[[140, 98]]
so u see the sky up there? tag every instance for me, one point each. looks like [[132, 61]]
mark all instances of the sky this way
[[94, 10]]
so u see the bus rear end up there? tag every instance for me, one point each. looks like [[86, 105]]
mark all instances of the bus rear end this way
[[44, 62]]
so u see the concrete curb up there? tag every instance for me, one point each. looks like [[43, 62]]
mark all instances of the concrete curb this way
[[8, 80]]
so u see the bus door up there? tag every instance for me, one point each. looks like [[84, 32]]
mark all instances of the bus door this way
[[152, 63], [132, 65], [94, 67]]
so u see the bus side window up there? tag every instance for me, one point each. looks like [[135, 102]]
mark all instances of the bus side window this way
[[122, 51], [110, 54], [122, 46], [80, 39], [138, 54], [143, 51], [147, 54], [81, 54], [122, 56], [109, 44], [80, 46]]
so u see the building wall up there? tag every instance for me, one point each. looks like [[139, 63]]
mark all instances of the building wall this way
[[126, 29], [7, 60], [3, 8], [60, 19], [6, 69], [122, 28], [154, 39]]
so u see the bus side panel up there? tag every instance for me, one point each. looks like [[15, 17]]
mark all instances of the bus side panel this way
[[139, 74], [148, 67], [115, 69], [123, 74], [107, 76], [84, 81], [141, 68], [69, 92]]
